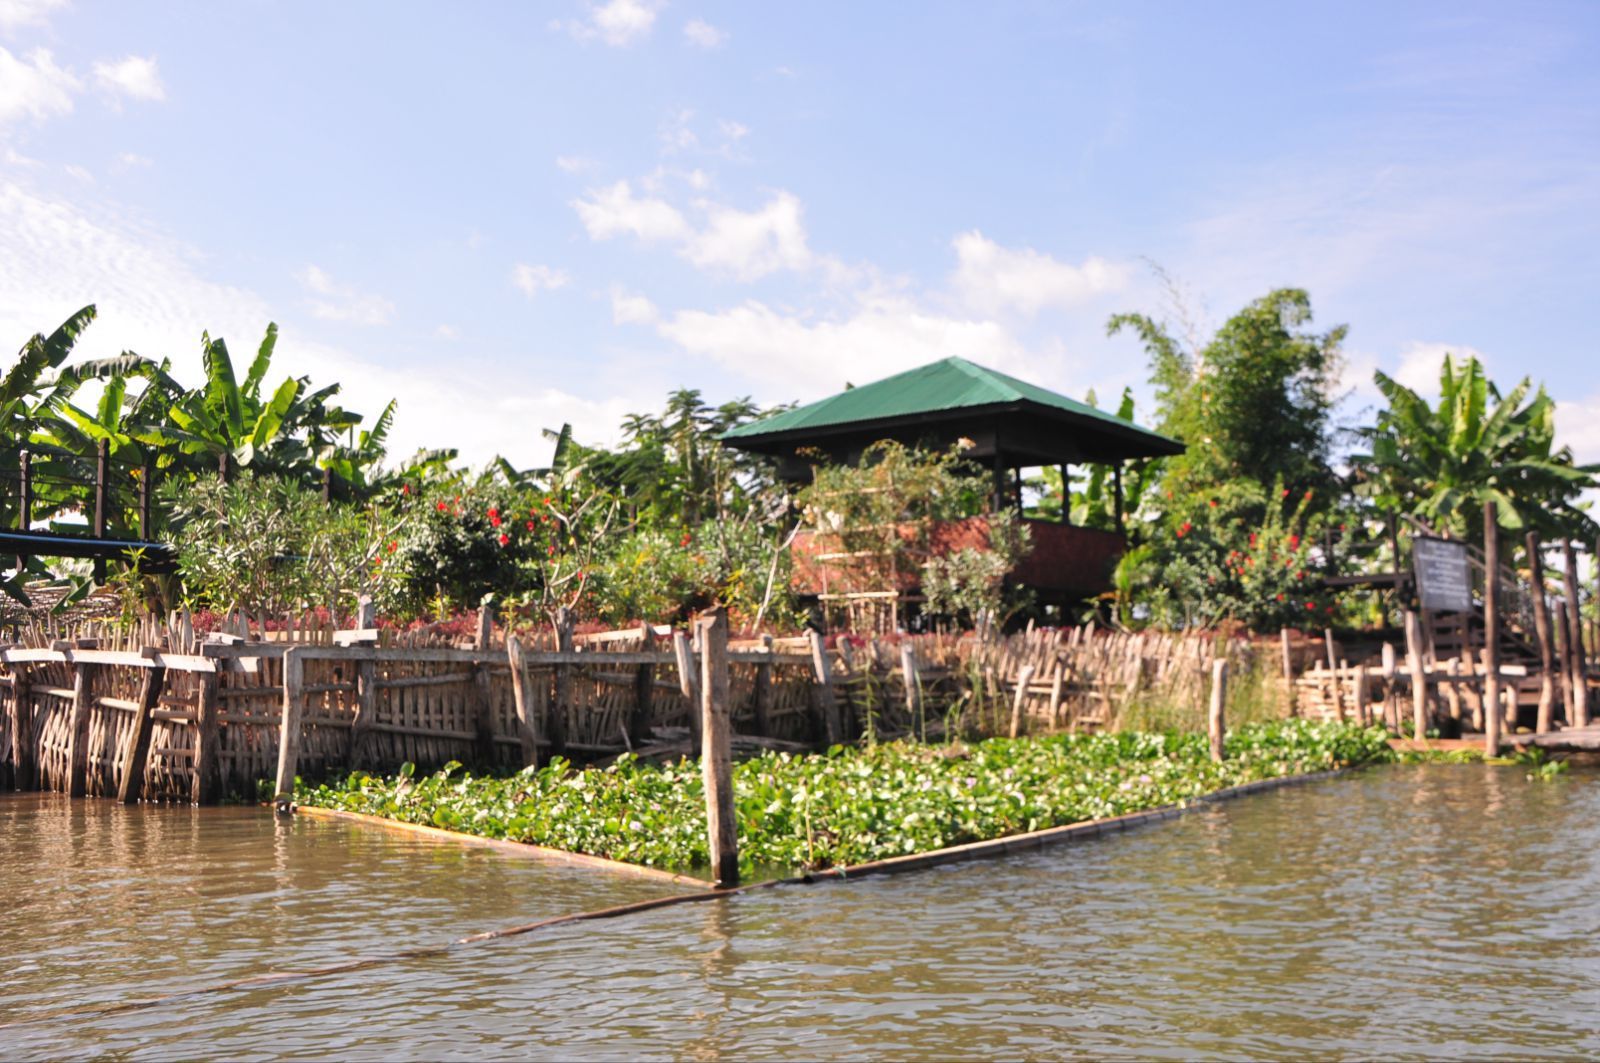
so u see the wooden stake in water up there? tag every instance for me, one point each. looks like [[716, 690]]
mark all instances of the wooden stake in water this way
[[716, 749], [1419, 678], [1541, 627], [1578, 668], [1216, 726], [289, 729], [1491, 627]]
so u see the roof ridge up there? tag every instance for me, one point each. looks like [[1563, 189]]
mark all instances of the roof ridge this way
[[984, 374]]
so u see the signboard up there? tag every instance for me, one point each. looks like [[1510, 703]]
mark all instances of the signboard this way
[[1444, 581]]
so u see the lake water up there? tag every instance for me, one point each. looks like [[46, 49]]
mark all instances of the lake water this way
[[1444, 911]]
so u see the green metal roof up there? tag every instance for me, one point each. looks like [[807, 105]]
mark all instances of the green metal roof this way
[[949, 385]]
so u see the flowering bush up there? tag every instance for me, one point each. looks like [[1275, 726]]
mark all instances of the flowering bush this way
[[1217, 564]]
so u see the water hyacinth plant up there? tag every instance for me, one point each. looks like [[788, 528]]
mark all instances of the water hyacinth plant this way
[[849, 805]]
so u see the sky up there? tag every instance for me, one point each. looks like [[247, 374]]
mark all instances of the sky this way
[[512, 216]]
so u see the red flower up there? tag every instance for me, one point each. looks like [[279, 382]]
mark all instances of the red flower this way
[[1294, 542], [1330, 608], [552, 550], [405, 489], [1285, 493], [444, 507], [685, 540], [505, 540], [1311, 606], [1252, 538], [531, 525], [1280, 597], [1185, 529], [1212, 503], [1308, 496], [393, 545], [494, 519]]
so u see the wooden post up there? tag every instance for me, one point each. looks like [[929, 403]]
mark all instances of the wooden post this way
[[1288, 671], [913, 683], [522, 694], [137, 754], [1491, 631], [1327, 642], [1018, 699], [565, 622], [716, 751], [289, 729], [824, 704], [206, 782], [1066, 494], [1579, 668], [78, 734], [23, 761], [483, 698], [24, 501], [147, 473], [1341, 676], [644, 692], [1116, 497], [1216, 724], [1541, 627], [225, 466], [1564, 663], [327, 486], [102, 487], [1391, 712], [1363, 708], [359, 753], [688, 681], [1419, 678]]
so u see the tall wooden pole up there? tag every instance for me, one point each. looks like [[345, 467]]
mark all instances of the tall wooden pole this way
[[1579, 665], [1491, 631], [1419, 677], [1116, 495], [102, 488], [24, 501], [1541, 627], [1216, 725], [716, 750]]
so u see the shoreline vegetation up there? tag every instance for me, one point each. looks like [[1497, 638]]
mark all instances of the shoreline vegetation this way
[[848, 806]]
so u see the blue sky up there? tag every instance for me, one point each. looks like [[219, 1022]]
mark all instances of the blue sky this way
[[515, 215]]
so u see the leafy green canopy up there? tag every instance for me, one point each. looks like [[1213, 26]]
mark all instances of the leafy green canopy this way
[[1442, 463], [1254, 404]]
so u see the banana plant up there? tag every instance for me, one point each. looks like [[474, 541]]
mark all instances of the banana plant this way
[[1442, 463], [358, 463]]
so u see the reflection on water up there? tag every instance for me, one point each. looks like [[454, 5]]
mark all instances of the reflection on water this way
[[1445, 911]]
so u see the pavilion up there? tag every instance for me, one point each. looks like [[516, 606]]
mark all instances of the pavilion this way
[[1010, 425]]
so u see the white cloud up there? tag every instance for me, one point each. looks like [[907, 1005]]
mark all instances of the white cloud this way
[[798, 355], [56, 256], [78, 173], [340, 302], [1419, 365], [18, 13], [530, 280], [615, 211], [751, 244], [33, 87], [128, 160], [744, 244], [446, 332], [574, 163], [618, 23], [733, 130], [703, 34], [677, 133], [628, 309], [1578, 426], [994, 278], [134, 76]]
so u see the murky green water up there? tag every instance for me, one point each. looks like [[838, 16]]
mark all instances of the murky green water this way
[[1441, 912]]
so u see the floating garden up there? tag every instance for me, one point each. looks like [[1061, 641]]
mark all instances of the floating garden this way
[[849, 805]]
